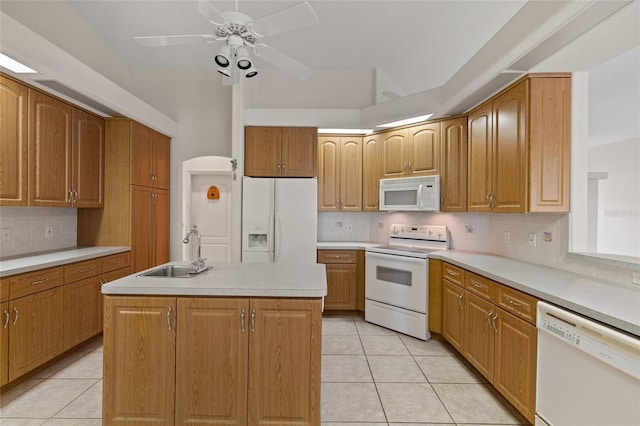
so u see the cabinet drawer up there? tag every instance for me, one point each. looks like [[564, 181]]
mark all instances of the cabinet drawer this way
[[114, 275], [81, 270], [453, 274], [483, 287], [337, 256], [518, 303], [34, 282], [116, 261]]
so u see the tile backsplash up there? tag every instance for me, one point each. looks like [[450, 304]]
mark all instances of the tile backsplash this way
[[502, 234], [23, 230]]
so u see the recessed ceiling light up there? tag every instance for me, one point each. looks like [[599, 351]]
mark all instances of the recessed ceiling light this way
[[406, 121], [346, 131], [15, 66]]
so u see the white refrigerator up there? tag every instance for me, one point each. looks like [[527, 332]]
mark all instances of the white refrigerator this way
[[279, 219]]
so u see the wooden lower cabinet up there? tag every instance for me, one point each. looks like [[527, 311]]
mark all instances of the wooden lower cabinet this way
[[35, 333], [139, 360], [231, 361], [515, 363], [82, 303], [453, 314], [342, 276], [501, 343], [478, 346], [4, 344]]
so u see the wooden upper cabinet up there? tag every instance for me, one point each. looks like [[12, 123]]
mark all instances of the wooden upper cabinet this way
[[550, 144], [150, 153], [519, 148], [371, 160], [13, 143], [453, 179], [50, 133], [299, 154], [424, 149], [509, 172], [480, 163], [65, 159], [413, 151], [87, 175], [280, 151], [339, 173], [394, 157]]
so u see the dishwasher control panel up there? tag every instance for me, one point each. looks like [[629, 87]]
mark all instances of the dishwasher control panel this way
[[566, 333]]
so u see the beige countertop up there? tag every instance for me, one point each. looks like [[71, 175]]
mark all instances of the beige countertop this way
[[614, 305], [231, 279], [345, 245], [33, 262]]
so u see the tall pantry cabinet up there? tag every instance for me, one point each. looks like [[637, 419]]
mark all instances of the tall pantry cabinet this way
[[136, 208]]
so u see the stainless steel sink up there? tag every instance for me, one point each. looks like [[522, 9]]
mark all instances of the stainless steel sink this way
[[173, 271]]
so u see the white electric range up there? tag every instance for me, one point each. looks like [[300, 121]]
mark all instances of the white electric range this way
[[396, 278]]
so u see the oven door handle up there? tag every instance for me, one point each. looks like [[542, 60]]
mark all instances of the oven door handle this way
[[395, 257]]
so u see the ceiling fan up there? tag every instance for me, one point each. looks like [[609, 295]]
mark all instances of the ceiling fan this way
[[239, 33]]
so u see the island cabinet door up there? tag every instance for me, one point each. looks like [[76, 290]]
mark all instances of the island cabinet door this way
[[284, 362], [139, 360], [211, 361]]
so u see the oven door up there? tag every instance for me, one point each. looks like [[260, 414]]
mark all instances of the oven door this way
[[397, 280]]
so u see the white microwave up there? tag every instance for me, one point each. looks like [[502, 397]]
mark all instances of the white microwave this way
[[420, 193]]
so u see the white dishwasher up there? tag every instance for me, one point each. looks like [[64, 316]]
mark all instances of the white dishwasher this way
[[588, 374]]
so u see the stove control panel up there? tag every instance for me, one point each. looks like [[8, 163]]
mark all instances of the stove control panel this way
[[419, 232]]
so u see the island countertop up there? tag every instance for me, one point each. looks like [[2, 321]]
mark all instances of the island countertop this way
[[230, 279]]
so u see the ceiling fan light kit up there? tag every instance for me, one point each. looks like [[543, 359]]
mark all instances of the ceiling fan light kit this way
[[223, 57], [240, 31]]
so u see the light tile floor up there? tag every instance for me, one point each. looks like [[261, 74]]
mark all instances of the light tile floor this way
[[370, 376]]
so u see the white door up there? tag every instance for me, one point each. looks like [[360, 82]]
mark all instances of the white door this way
[[211, 216]]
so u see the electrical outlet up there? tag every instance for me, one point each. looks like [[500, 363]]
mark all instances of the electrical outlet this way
[[533, 240], [5, 235], [380, 225], [635, 278], [339, 224], [507, 237], [48, 231], [468, 229], [547, 237]]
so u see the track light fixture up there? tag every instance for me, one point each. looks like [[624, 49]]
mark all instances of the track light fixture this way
[[223, 57], [225, 72], [251, 72], [242, 58]]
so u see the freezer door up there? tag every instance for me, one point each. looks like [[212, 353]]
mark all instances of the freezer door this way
[[296, 220]]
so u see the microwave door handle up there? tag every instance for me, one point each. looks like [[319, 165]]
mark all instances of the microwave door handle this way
[[420, 191]]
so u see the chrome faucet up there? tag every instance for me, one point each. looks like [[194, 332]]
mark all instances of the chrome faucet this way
[[198, 264]]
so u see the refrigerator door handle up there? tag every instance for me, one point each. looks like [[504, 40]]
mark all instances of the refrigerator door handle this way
[[277, 249]]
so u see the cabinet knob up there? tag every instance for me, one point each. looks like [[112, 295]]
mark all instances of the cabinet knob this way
[[253, 320], [6, 319], [169, 318], [15, 318]]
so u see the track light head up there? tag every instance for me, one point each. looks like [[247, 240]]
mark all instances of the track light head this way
[[242, 58], [222, 58], [225, 72], [251, 72]]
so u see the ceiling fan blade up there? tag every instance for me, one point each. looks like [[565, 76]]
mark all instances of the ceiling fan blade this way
[[284, 62], [174, 40], [292, 18], [207, 10]]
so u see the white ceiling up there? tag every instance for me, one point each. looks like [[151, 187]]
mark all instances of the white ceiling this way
[[418, 45]]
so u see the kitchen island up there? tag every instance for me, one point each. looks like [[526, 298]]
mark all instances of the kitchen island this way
[[237, 344]]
